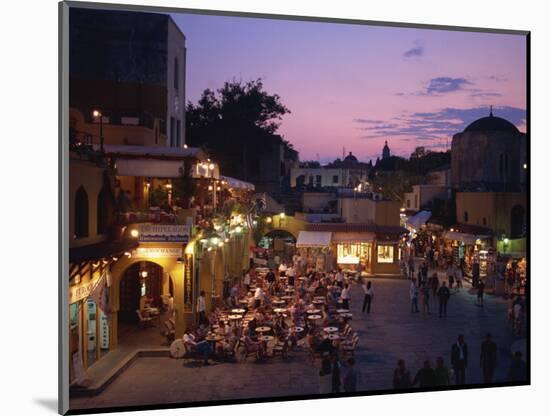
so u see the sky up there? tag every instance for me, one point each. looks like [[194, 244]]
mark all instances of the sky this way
[[352, 87]]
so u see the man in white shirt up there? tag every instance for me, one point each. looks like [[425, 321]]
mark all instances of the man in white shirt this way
[[345, 296], [201, 308], [282, 270], [201, 347], [246, 280], [340, 278], [369, 294], [258, 297], [290, 274]]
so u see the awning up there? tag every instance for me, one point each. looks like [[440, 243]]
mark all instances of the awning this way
[[419, 219], [237, 183], [353, 237], [313, 239], [465, 238]]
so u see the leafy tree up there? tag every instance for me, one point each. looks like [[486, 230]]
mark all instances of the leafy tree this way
[[235, 124]]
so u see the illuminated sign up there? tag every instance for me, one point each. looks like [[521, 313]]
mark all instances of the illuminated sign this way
[[167, 233], [157, 252]]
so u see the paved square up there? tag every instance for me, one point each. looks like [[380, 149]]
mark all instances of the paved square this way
[[389, 333]]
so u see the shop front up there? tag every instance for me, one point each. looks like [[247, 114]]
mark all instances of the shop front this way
[[315, 248], [466, 249], [370, 249]]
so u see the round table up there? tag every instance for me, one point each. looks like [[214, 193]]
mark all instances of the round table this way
[[346, 315], [262, 329], [213, 339], [279, 310], [266, 338], [286, 297], [298, 329], [333, 337], [318, 302], [330, 329], [238, 311], [278, 302], [314, 317], [289, 290], [341, 311]]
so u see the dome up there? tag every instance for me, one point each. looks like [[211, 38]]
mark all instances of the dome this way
[[492, 123], [350, 158]]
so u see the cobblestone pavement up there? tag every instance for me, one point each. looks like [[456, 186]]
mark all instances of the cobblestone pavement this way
[[389, 333]]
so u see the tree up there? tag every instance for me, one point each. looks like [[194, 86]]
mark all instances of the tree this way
[[235, 123]]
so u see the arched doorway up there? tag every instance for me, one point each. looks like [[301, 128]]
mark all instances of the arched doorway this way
[[140, 290], [279, 243]]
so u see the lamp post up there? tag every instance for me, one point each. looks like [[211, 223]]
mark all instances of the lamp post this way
[[97, 114]]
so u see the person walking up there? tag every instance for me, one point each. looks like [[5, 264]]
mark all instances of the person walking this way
[[410, 263], [480, 290], [442, 376], [459, 359], [475, 273], [413, 294], [459, 275], [401, 376], [201, 308], [425, 290], [488, 358], [443, 294], [369, 294], [424, 273], [435, 285]]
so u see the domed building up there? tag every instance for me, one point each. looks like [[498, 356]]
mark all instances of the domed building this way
[[488, 173], [489, 155]]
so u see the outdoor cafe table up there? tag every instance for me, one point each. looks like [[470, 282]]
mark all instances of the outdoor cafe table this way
[[262, 329], [298, 329], [279, 310], [318, 302], [314, 317], [265, 339], [346, 315], [238, 311], [313, 311], [286, 297], [333, 337], [278, 302], [330, 329], [213, 338], [235, 318], [341, 311], [289, 290]]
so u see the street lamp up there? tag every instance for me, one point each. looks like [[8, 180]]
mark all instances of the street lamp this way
[[97, 114]]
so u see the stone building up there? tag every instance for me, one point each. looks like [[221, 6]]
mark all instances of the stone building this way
[[489, 155]]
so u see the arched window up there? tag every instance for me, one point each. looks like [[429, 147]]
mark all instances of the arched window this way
[[517, 221], [103, 208], [81, 213]]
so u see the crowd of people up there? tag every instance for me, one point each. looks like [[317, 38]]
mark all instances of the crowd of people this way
[[270, 312], [441, 375]]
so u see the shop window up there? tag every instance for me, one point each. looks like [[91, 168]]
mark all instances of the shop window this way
[[81, 213], [385, 254], [354, 253]]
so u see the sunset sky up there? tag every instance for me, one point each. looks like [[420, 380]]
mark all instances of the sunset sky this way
[[355, 86]]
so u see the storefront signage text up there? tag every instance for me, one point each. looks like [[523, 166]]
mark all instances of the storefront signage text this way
[[164, 233], [157, 252]]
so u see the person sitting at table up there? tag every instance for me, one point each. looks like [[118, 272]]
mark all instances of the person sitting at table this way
[[319, 344], [227, 345], [191, 344], [224, 329], [253, 346], [252, 324], [280, 327]]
